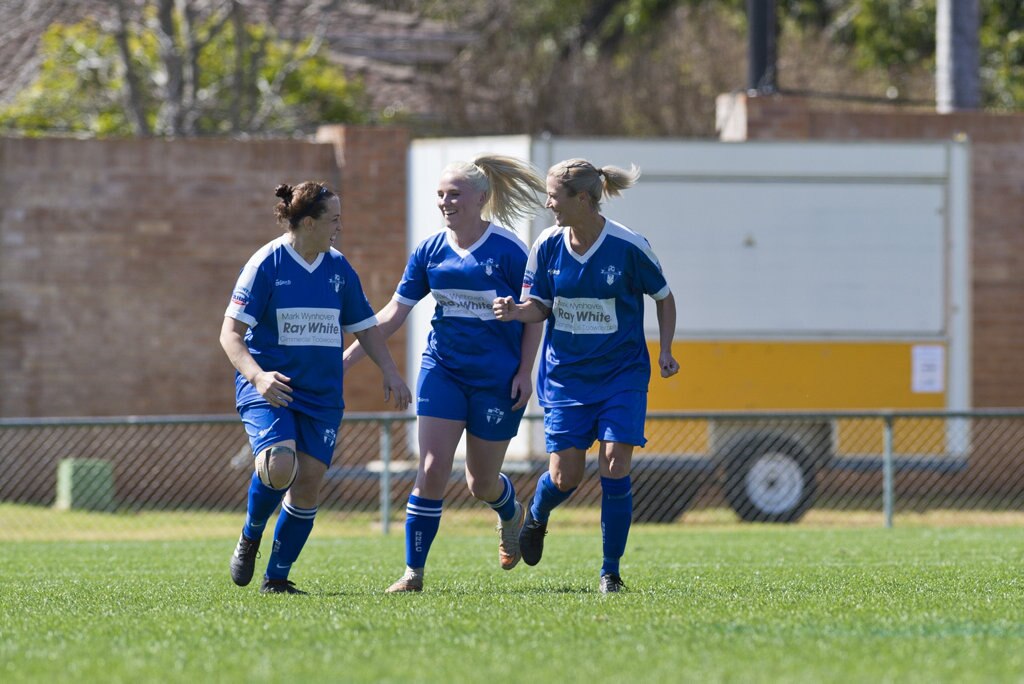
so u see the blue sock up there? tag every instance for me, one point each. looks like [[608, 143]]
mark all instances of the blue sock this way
[[422, 518], [262, 502], [616, 516], [505, 504], [547, 497], [293, 528]]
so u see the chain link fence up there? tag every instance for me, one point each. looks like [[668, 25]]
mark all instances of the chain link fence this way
[[755, 467]]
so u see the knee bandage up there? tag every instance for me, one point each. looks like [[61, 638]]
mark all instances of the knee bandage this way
[[277, 467]]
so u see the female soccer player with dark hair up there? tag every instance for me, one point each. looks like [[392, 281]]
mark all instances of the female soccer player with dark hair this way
[[475, 372], [587, 276], [282, 332]]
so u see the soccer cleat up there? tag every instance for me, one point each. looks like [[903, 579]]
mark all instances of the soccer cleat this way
[[531, 539], [611, 583], [243, 560], [508, 547], [274, 586], [407, 582]]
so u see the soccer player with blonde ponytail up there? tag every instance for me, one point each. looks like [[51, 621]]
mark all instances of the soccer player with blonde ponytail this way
[[586, 279], [475, 375]]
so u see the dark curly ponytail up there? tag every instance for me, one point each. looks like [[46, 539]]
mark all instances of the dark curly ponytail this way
[[305, 199]]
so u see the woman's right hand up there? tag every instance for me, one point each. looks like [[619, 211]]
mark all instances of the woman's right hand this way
[[273, 387], [504, 308]]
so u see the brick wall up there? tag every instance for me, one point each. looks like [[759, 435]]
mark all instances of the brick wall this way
[[373, 233], [997, 197], [117, 258]]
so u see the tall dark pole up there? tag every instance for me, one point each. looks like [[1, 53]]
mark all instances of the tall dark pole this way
[[761, 46]]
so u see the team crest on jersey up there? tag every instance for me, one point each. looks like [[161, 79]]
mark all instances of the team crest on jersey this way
[[494, 416], [337, 281], [490, 265], [610, 274], [330, 437]]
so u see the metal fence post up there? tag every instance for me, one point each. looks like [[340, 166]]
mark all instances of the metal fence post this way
[[385, 476], [887, 468]]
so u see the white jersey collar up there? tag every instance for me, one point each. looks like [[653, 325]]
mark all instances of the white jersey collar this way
[[298, 257], [585, 257], [449, 235]]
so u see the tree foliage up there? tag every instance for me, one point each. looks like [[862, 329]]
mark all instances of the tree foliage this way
[[1001, 53], [891, 35], [633, 67], [654, 67], [181, 75], [897, 36]]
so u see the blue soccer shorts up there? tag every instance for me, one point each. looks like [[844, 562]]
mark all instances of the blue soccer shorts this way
[[267, 425], [619, 418], [487, 412]]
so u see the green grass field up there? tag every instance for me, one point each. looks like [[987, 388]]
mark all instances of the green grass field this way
[[708, 603]]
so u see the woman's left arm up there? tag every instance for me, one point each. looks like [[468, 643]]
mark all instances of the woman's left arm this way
[[666, 332], [522, 382], [372, 341]]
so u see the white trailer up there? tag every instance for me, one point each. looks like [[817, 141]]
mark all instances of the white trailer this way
[[809, 276]]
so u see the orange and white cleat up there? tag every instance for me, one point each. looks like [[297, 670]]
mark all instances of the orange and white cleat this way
[[508, 547]]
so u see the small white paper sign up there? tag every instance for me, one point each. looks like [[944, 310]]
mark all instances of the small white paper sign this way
[[928, 369]]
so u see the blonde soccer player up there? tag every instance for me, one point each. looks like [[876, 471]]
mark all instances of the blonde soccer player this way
[[475, 373], [586, 278]]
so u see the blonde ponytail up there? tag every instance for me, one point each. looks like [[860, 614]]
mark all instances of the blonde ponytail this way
[[579, 175], [512, 186]]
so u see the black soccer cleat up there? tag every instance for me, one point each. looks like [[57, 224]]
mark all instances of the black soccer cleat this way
[[531, 539], [273, 586], [243, 560], [611, 583]]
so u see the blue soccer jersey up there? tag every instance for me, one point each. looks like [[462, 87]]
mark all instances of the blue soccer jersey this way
[[594, 344], [296, 313], [465, 337]]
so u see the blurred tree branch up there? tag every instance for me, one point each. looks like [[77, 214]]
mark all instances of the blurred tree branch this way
[[132, 90]]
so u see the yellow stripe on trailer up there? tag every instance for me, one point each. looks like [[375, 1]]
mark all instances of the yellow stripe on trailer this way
[[782, 375]]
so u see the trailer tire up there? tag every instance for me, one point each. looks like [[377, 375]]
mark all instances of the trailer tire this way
[[662, 499], [770, 479]]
